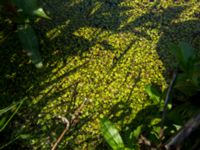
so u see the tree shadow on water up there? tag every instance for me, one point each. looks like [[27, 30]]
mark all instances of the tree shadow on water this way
[[105, 19], [59, 42], [71, 16], [106, 16], [170, 31]]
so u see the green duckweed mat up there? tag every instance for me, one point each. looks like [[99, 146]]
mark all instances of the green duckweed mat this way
[[102, 52]]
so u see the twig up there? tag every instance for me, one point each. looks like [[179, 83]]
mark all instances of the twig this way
[[167, 101], [71, 123], [62, 134], [78, 110], [144, 140]]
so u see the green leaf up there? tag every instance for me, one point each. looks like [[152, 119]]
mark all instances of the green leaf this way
[[10, 118], [29, 42], [40, 13], [187, 51], [176, 51], [155, 121], [127, 148], [137, 131], [175, 117], [4, 110], [111, 134], [2, 121], [27, 6], [153, 137], [25, 136], [153, 93], [135, 134], [185, 84], [180, 114], [183, 53]]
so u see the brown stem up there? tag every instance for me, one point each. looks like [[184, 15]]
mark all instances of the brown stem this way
[[61, 136], [72, 123], [167, 101]]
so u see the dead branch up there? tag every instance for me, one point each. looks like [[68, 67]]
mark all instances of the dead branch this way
[[192, 125], [74, 120], [62, 134]]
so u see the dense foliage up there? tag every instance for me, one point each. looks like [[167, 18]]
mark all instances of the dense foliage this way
[[22, 13], [98, 57]]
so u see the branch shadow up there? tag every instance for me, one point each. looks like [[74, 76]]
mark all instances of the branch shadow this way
[[59, 42]]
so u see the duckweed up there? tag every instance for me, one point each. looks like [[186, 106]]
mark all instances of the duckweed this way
[[105, 52]]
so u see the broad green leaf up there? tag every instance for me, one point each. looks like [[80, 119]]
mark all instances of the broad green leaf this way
[[29, 42], [153, 93], [40, 13], [111, 134], [27, 6], [183, 53], [187, 51]]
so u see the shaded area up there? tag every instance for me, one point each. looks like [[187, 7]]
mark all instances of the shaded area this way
[[63, 40]]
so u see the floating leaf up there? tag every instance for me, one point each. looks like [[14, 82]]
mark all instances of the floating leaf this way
[[111, 135]]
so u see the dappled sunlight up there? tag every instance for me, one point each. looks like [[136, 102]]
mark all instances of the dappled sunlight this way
[[103, 52]]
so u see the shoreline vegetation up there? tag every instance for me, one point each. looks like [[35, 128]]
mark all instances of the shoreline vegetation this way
[[98, 56]]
